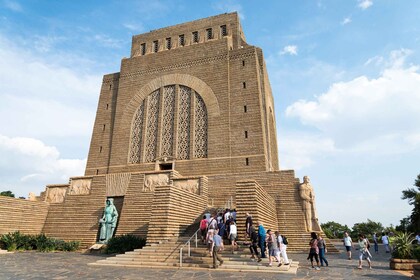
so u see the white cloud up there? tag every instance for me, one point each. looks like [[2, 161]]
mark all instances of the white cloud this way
[[108, 41], [369, 115], [364, 4], [346, 20], [42, 102], [290, 49], [13, 5], [376, 60], [46, 43], [299, 150], [136, 27], [39, 98], [27, 164]]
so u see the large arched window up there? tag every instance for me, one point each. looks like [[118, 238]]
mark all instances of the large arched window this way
[[171, 121]]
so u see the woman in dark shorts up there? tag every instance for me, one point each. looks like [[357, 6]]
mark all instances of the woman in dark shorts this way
[[314, 250]]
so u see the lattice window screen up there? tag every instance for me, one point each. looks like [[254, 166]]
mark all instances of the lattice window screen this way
[[184, 123], [200, 128], [136, 135], [168, 121], [152, 126], [182, 118]]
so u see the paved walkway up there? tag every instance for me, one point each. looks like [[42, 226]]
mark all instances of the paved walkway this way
[[34, 265]]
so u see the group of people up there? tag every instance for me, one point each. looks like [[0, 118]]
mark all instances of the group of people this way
[[317, 250], [263, 243], [215, 228], [363, 247]]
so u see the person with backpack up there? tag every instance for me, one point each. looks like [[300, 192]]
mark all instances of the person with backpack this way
[[282, 242], [322, 250], [203, 229], [254, 241]]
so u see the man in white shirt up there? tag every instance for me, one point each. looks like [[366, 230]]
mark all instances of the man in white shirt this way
[[385, 241], [418, 238], [348, 243]]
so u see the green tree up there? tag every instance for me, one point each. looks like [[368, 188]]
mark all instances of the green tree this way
[[404, 225], [7, 193], [413, 197], [334, 230], [367, 228]]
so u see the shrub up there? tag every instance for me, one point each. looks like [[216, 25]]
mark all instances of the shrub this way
[[16, 241], [45, 244], [416, 252], [124, 243], [71, 246], [402, 246]]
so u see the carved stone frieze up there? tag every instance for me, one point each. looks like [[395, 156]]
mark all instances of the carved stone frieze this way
[[153, 180], [80, 186], [56, 194], [189, 185]]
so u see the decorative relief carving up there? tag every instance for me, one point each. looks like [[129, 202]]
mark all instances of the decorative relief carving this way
[[56, 194], [200, 128], [80, 186], [188, 64], [152, 126], [168, 121], [117, 184], [184, 123], [153, 180], [136, 135], [189, 185]]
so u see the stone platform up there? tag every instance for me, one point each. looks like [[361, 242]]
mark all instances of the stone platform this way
[[35, 265]]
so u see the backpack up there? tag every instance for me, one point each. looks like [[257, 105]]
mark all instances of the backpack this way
[[203, 224], [285, 241]]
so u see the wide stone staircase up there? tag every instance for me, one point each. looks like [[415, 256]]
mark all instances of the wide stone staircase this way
[[167, 254], [291, 222]]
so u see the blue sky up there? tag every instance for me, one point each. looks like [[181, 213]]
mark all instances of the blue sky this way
[[345, 78]]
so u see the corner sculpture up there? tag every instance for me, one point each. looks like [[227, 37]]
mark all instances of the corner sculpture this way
[[108, 221], [306, 192]]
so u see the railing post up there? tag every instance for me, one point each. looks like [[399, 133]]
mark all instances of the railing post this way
[[189, 248], [196, 239], [180, 257]]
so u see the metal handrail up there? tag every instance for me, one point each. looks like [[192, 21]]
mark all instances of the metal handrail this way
[[188, 243]]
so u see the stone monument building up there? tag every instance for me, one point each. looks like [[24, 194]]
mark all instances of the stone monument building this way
[[187, 125]]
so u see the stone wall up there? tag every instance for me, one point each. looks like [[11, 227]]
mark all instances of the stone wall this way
[[172, 211], [253, 199], [22, 215]]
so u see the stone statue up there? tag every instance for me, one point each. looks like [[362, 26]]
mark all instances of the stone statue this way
[[108, 221], [32, 196], [306, 192]]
